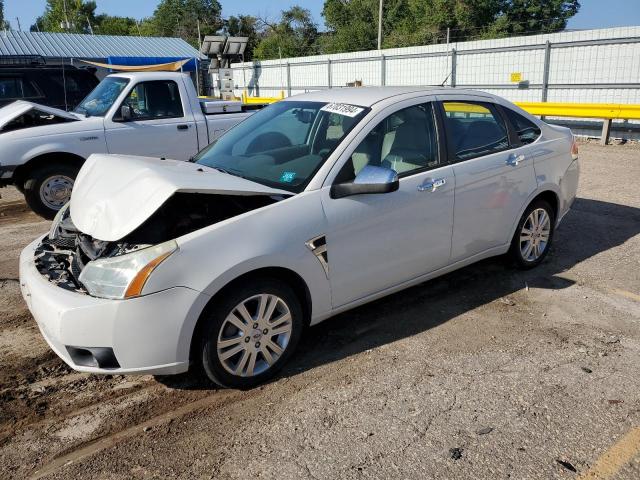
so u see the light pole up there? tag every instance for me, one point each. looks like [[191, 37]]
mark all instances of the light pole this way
[[380, 25]]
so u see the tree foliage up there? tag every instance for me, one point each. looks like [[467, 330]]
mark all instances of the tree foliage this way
[[3, 23], [179, 18], [74, 19], [295, 34], [352, 24], [244, 26]]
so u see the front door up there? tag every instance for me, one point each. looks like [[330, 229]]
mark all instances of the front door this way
[[494, 177], [160, 126], [378, 241]]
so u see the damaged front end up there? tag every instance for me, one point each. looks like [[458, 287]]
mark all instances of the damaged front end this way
[[65, 252]]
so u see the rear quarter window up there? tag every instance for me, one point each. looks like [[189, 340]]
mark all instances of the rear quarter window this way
[[528, 132]]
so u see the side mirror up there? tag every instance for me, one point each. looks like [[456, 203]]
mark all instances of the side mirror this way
[[125, 114], [370, 180]]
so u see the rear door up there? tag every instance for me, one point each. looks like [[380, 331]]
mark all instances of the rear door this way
[[161, 125], [494, 175]]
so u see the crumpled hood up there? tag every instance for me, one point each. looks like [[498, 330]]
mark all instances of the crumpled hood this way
[[20, 107], [114, 194]]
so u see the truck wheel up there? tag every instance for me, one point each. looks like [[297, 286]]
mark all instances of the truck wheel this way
[[47, 189]]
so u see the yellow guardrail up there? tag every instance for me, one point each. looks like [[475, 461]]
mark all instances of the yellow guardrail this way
[[610, 111], [246, 99]]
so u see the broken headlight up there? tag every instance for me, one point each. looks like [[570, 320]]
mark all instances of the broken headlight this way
[[124, 276]]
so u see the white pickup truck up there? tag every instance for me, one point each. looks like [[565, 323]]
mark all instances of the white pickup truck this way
[[153, 114]]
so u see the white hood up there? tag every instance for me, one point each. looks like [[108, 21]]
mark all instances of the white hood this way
[[115, 194], [20, 107]]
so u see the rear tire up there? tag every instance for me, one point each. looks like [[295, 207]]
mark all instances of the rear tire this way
[[48, 188], [251, 333], [533, 237]]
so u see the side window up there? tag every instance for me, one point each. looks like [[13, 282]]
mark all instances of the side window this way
[[9, 88], [154, 100], [405, 141], [474, 129], [527, 131]]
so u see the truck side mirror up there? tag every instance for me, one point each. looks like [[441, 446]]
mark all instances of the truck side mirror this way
[[125, 113]]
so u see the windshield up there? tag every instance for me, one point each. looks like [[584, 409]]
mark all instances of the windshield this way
[[100, 100], [283, 145]]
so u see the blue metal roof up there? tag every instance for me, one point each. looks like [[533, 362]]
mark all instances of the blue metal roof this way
[[75, 45]]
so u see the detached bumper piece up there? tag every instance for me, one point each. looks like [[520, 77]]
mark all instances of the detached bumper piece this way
[[101, 357]]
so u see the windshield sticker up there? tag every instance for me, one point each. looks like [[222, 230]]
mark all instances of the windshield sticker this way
[[287, 177], [342, 109]]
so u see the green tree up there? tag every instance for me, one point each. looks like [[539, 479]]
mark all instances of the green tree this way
[[179, 18], [294, 35], [519, 17], [109, 25], [74, 19], [352, 24], [3, 24], [244, 26]]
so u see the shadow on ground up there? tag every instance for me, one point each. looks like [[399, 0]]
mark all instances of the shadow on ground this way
[[590, 228]]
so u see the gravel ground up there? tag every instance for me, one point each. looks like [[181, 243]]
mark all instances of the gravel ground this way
[[484, 373]]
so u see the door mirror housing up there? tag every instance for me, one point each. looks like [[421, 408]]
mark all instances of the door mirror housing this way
[[371, 179], [125, 114]]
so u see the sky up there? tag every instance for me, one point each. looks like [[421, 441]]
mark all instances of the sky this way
[[593, 14]]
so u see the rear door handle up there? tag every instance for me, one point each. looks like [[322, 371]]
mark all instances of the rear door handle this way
[[431, 185], [514, 159], [183, 127]]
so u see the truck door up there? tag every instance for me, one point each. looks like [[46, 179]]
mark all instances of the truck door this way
[[161, 123]]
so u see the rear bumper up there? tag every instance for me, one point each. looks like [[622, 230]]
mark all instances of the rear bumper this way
[[149, 334]]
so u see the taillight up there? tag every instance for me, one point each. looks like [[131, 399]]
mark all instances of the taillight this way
[[574, 149]]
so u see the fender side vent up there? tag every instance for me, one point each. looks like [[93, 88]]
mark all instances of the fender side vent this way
[[318, 246]]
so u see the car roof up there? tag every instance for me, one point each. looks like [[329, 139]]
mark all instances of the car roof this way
[[368, 96]]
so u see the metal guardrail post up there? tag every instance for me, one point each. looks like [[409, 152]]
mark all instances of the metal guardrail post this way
[[606, 131], [329, 80], [288, 79], [383, 70], [545, 72], [454, 57]]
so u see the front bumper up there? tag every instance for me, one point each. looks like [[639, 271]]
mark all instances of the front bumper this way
[[149, 334], [6, 175]]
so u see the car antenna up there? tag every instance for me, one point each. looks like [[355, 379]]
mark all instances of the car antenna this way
[[445, 80]]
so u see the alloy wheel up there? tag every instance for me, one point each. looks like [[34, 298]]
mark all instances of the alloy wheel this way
[[534, 235], [254, 335]]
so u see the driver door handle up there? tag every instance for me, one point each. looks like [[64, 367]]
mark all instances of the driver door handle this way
[[183, 127], [431, 185], [514, 159]]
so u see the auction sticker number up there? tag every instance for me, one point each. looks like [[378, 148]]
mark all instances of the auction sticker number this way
[[342, 109]]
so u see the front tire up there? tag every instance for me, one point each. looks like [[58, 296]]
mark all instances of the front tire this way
[[47, 189], [251, 333], [532, 240]]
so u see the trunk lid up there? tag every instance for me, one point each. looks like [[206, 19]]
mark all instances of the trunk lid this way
[[115, 194]]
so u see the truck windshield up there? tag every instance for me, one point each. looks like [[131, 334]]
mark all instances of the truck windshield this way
[[283, 145], [101, 98]]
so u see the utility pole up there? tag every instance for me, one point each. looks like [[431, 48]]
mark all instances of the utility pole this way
[[380, 25], [19, 27], [90, 27]]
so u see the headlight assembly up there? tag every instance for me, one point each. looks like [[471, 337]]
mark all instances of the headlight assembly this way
[[124, 276]]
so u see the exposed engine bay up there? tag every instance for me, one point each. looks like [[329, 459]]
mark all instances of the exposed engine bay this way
[[63, 254], [34, 118]]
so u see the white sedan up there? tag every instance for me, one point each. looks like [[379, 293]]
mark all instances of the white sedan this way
[[312, 206]]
